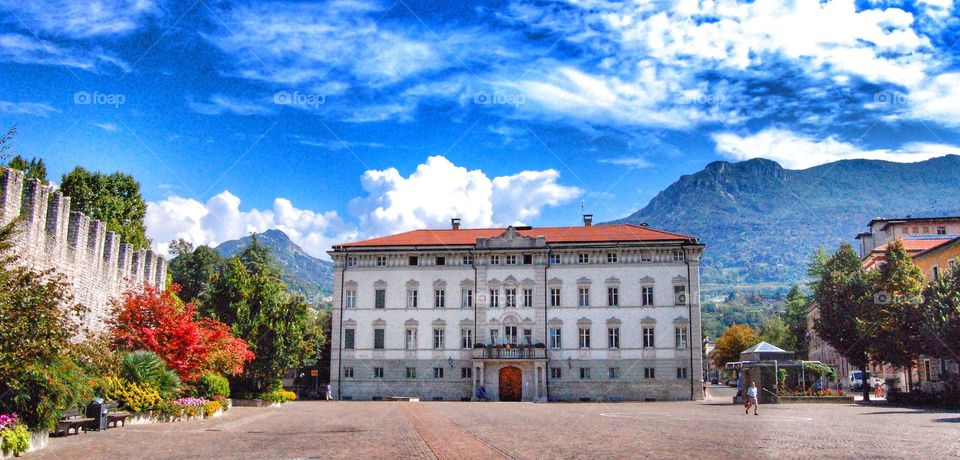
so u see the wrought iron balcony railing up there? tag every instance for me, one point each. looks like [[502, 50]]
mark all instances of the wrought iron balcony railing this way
[[511, 352]]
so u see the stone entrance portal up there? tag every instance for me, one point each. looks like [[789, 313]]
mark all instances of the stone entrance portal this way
[[511, 384]]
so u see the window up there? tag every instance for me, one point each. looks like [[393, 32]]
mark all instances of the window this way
[[681, 372], [511, 295], [646, 296], [466, 298], [527, 259], [916, 229], [613, 297], [556, 373], [466, 372], [584, 297], [584, 373], [649, 373], [583, 258], [511, 260], [510, 334], [528, 298], [941, 230], [678, 255], [554, 297], [681, 336], [381, 261], [554, 259], [411, 372], [468, 260], [411, 339], [466, 338], [349, 339], [380, 300], [584, 337], [412, 298], [438, 373], [438, 343], [378, 372], [556, 341], [936, 272], [378, 339], [952, 263], [494, 337], [441, 260], [439, 298], [646, 256], [611, 257], [494, 298], [613, 337], [613, 373], [680, 295], [648, 337], [351, 261], [494, 260], [926, 230], [413, 260], [528, 336], [351, 299], [348, 372]]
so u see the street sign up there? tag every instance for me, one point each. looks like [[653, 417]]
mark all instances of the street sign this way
[[314, 373]]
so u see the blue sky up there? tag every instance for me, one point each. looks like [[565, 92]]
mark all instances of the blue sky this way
[[347, 119]]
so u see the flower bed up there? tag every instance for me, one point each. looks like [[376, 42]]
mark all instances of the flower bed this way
[[816, 399], [15, 439]]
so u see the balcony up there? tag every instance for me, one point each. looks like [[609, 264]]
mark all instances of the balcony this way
[[510, 352]]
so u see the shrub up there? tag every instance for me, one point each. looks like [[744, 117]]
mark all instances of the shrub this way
[[136, 397], [15, 439], [278, 396], [143, 366], [210, 408], [213, 385], [40, 393]]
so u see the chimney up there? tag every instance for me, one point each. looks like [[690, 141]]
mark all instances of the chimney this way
[[455, 223], [587, 220]]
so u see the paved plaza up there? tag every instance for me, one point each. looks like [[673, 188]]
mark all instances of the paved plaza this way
[[526, 430]]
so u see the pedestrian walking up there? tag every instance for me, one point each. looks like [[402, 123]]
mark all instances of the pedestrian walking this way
[[752, 399], [329, 392]]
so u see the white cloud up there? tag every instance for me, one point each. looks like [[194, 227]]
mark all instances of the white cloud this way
[[37, 109], [79, 20], [225, 104], [108, 127], [428, 198], [938, 100], [630, 162], [220, 219], [794, 151], [25, 49], [439, 190]]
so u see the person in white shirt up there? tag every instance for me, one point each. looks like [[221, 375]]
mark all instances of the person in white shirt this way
[[752, 399]]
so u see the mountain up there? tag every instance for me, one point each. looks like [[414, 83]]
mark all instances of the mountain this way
[[761, 222], [303, 273]]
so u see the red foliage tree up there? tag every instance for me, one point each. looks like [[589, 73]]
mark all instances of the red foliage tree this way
[[158, 321]]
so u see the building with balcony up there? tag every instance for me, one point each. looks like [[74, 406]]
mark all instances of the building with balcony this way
[[606, 312]]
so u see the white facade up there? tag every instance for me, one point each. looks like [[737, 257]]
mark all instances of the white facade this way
[[501, 291]]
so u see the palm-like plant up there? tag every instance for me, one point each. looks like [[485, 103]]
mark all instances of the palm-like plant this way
[[144, 366]]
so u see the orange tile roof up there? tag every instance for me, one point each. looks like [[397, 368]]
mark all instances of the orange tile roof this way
[[468, 236], [915, 245]]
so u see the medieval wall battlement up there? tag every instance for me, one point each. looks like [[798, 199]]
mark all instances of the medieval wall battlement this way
[[94, 261]]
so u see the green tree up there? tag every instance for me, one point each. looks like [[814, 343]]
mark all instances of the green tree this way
[[775, 332], [316, 335], [193, 268], [113, 198], [844, 296], [5, 143], [941, 305], [898, 316], [248, 294], [33, 169], [795, 319], [732, 342]]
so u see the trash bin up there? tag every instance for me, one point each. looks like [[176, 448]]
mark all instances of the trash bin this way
[[97, 410]]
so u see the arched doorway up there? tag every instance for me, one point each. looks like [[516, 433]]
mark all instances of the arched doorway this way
[[511, 384]]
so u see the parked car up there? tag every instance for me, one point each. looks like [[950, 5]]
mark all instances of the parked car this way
[[855, 381]]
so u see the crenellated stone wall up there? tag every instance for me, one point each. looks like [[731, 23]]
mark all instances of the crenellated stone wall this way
[[94, 261]]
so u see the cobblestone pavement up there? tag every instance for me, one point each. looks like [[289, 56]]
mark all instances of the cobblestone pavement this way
[[527, 430]]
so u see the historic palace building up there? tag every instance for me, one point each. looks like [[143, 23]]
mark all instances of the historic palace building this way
[[605, 312]]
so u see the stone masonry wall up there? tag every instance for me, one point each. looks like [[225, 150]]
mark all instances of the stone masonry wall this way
[[95, 263]]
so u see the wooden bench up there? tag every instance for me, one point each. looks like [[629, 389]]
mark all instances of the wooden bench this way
[[72, 420], [116, 417]]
